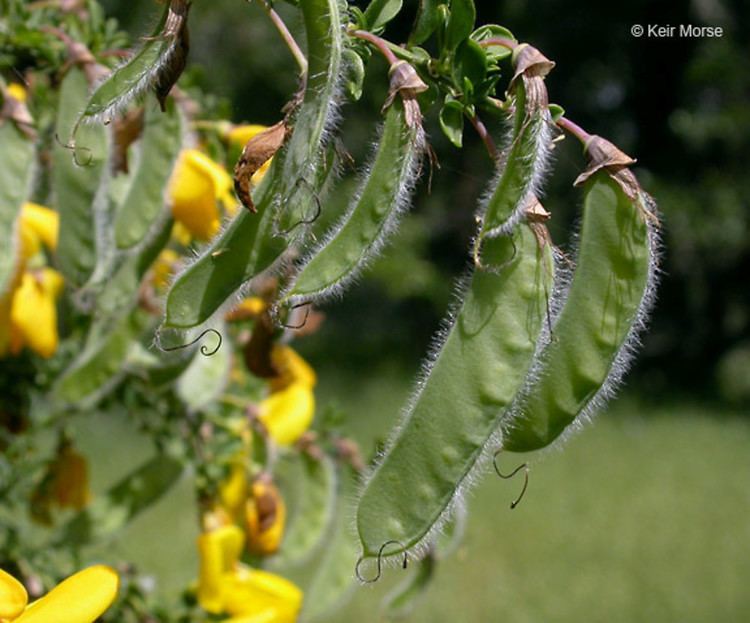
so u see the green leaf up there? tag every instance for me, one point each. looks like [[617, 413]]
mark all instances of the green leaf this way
[[110, 513], [556, 111], [428, 20], [460, 23], [469, 64], [380, 12], [133, 78], [145, 201], [452, 121], [16, 169], [354, 74], [77, 175], [495, 53]]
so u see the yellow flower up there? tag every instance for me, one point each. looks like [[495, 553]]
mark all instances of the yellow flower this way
[[81, 598], [17, 91], [227, 586], [288, 413], [197, 185], [234, 490], [291, 368], [38, 225], [265, 517], [33, 312], [163, 268]]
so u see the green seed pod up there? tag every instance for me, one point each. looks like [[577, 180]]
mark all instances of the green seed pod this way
[[333, 581], [16, 170], [452, 423], [144, 203], [77, 178], [596, 330], [248, 246], [153, 65], [297, 202], [312, 519], [523, 163], [373, 214]]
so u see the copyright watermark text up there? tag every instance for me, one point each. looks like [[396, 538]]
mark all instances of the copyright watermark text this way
[[681, 31]]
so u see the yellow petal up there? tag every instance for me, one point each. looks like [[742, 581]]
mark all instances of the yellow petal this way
[[163, 268], [241, 134], [219, 550], [265, 518], [82, 598], [287, 414], [234, 490], [13, 596], [194, 193], [17, 91], [34, 313], [292, 369], [267, 616], [255, 592], [43, 222]]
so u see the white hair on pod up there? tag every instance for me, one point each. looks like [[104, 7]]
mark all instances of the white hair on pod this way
[[407, 181]]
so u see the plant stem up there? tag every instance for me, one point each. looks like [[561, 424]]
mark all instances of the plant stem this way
[[485, 136], [382, 45], [574, 129], [286, 36]]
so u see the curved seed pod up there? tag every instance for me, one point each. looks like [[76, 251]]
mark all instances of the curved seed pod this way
[[145, 201], [334, 580], [248, 245], [76, 179], [371, 217], [101, 364], [609, 298], [16, 170], [316, 505], [524, 161], [304, 155], [452, 421], [156, 64]]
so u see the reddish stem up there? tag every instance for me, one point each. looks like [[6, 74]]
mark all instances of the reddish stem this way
[[378, 43], [574, 129], [485, 136], [503, 41]]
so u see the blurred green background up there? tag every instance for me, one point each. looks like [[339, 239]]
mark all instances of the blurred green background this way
[[644, 517]]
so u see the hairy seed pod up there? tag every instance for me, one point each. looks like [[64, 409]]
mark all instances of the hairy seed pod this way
[[452, 422], [607, 305], [372, 216]]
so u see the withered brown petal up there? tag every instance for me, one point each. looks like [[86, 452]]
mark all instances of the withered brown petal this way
[[258, 150], [531, 62], [176, 26]]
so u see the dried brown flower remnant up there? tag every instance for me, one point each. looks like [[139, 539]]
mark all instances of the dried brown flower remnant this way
[[529, 61], [603, 154], [405, 81], [175, 27], [258, 150]]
